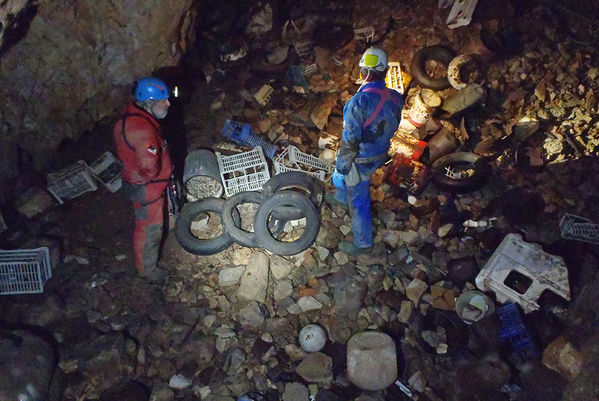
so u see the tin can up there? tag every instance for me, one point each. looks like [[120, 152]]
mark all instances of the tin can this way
[[408, 174]]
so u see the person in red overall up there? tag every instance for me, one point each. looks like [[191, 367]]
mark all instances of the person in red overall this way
[[146, 170]]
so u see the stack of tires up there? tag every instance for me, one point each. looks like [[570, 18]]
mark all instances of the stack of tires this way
[[287, 197]]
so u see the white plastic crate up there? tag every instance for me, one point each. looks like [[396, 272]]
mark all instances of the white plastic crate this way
[[310, 69], [71, 182], [293, 160], [365, 34], [461, 13], [246, 171], [264, 94], [303, 48], [24, 271], [107, 169]]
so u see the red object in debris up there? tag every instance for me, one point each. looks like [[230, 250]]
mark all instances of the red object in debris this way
[[407, 145], [408, 174]]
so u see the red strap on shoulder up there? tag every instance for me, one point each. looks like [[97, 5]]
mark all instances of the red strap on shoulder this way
[[385, 95]]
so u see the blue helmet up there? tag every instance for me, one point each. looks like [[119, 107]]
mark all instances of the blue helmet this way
[[151, 89]]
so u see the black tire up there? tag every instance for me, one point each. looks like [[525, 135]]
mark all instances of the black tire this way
[[202, 246], [293, 179], [442, 54], [265, 211], [233, 227], [460, 160]]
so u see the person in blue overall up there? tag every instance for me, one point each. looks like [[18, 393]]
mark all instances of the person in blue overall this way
[[370, 118]]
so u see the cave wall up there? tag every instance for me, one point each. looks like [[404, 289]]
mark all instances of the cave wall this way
[[75, 61]]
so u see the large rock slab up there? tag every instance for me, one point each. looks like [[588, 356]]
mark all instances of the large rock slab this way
[[255, 278]]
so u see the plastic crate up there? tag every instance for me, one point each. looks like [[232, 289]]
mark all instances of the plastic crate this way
[[264, 95], [303, 48], [514, 332], [578, 228], [365, 34], [246, 171], [107, 169], [24, 271], [293, 160], [394, 78], [71, 182], [243, 134]]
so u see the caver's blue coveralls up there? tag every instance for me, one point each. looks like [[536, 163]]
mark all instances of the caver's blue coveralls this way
[[370, 118]]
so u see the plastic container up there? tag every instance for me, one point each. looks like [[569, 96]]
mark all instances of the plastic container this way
[[371, 360], [24, 271], [33, 202], [442, 143], [472, 306], [394, 78], [303, 48], [520, 272], [243, 134], [422, 107], [201, 177], [71, 182], [264, 95], [515, 333], [408, 174], [246, 171], [578, 228], [293, 160], [406, 145], [107, 169], [365, 34]]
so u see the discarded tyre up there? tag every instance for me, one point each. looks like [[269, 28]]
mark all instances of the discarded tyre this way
[[264, 214], [442, 54], [196, 245], [296, 180], [459, 172], [233, 228]]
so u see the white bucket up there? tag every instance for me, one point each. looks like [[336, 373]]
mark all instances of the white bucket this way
[[472, 306], [423, 105], [371, 360]]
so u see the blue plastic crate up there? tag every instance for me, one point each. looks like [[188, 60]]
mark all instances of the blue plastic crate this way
[[243, 134], [237, 131], [515, 333]]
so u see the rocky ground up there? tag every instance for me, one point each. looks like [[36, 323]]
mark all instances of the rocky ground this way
[[227, 324]]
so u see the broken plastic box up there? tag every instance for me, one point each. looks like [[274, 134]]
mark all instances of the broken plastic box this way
[[527, 265]]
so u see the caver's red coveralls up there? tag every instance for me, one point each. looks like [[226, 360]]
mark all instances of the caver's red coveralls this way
[[146, 171]]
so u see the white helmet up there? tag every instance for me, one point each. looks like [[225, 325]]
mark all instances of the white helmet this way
[[374, 58]]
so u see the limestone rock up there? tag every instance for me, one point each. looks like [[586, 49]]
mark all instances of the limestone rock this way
[[308, 304], [283, 289], [562, 357], [280, 267], [415, 289], [316, 368], [179, 382], [254, 280], [296, 392], [251, 315], [230, 276], [320, 114]]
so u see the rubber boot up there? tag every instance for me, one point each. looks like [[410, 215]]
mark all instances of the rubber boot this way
[[351, 249]]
